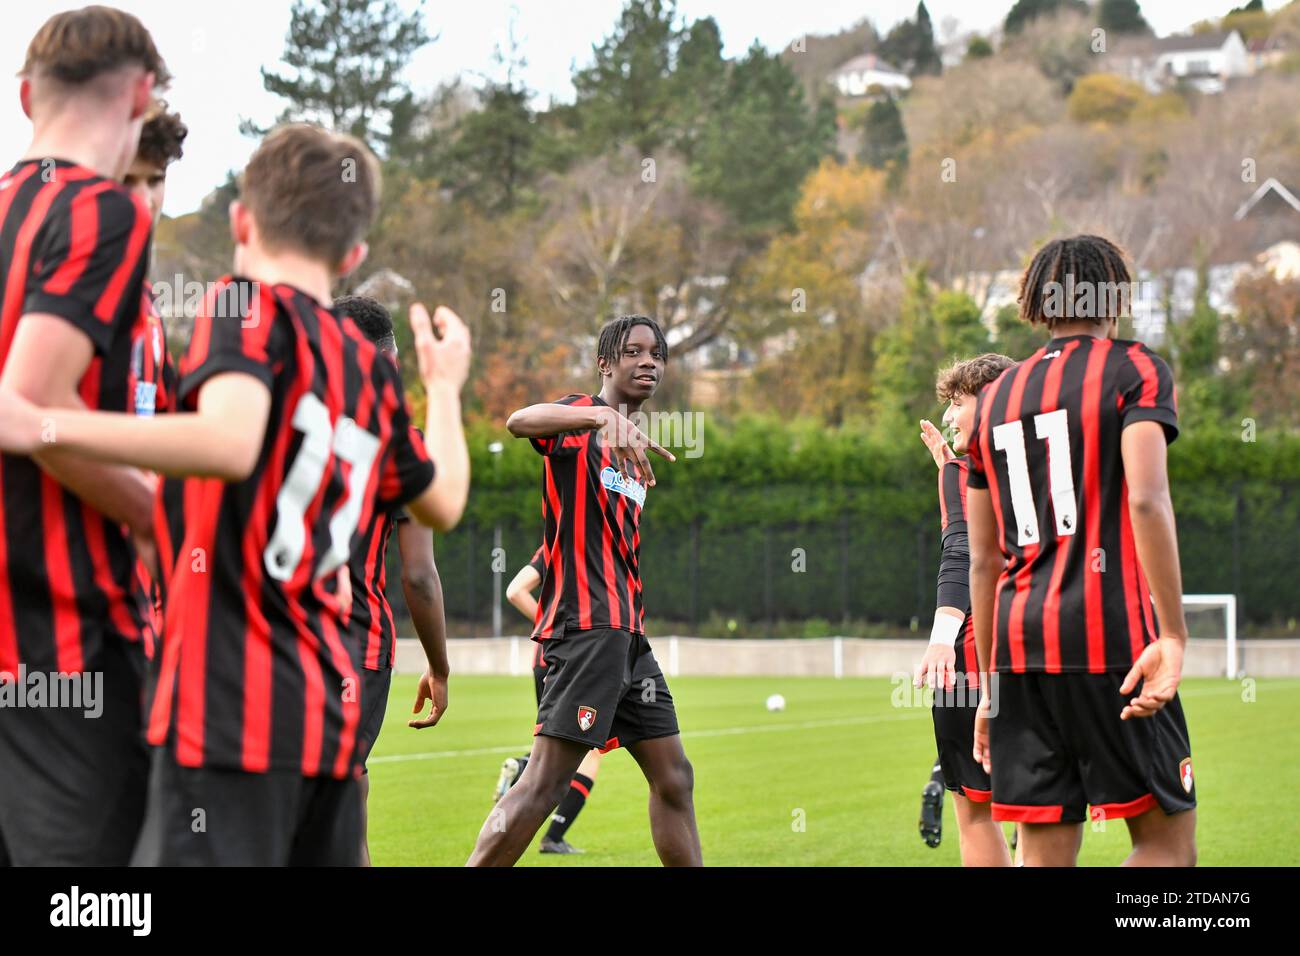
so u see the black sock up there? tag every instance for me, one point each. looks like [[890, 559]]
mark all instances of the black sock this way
[[937, 774], [570, 807]]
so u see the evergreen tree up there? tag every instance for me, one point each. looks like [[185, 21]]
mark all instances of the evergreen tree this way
[[347, 58], [1121, 16], [1026, 10]]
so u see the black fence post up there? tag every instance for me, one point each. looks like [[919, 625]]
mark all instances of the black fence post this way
[[844, 569], [767, 579], [471, 609], [694, 566], [921, 538]]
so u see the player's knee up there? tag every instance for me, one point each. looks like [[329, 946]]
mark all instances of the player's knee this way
[[677, 785]]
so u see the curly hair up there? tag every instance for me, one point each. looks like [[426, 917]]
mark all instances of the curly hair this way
[[162, 137], [968, 377]]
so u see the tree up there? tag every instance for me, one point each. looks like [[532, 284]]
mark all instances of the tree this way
[[933, 328], [347, 58], [1025, 11], [755, 154], [698, 85], [978, 48], [1121, 16], [493, 152], [910, 45], [1104, 98], [625, 96], [884, 140]]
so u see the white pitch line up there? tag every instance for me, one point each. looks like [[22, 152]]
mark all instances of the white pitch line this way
[[766, 728], [717, 732]]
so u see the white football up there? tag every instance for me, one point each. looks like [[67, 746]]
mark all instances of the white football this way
[[776, 702]]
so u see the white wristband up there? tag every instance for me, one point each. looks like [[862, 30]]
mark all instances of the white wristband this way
[[945, 629]]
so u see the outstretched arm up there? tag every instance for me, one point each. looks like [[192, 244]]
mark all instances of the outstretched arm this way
[[47, 359], [221, 440]]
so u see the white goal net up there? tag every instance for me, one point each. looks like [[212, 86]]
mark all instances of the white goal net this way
[[1213, 617]]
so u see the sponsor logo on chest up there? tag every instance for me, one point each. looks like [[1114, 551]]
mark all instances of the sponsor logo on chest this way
[[615, 481]]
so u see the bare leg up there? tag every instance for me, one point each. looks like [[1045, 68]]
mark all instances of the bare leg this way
[[515, 820], [590, 764], [1051, 844], [672, 802], [982, 843], [1161, 839]]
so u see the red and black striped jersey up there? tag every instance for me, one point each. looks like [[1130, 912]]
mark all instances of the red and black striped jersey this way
[[151, 388], [592, 542], [538, 561], [954, 563], [73, 245], [1047, 446], [255, 672], [371, 618]]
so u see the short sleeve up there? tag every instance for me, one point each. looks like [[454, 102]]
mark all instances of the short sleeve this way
[[1146, 391], [88, 256], [538, 562], [235, 331], [407, 469], [565, 444]]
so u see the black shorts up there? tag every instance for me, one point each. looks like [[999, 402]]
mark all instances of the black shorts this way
[[604, 689], [73, 779], [954, 732], [201, 816], [539, 670], [1058, 745], [374, 704]]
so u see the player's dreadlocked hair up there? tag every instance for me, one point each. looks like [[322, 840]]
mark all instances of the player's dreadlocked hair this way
[[371, 318], [1089, 261], [614, 336], [161, 137]]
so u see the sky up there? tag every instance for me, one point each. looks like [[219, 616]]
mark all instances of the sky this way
[[216, 49]]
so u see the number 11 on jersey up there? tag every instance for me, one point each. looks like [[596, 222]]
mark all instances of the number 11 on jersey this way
[[1009, 437]]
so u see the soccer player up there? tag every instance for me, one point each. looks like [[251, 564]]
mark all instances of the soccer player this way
[[520, 594], [370, 618], [1072, 540], [603, 687], [151, 383], [949, 667], [74, 250], [297, 429]]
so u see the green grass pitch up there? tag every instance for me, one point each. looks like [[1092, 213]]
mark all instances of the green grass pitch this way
[[834, 780]]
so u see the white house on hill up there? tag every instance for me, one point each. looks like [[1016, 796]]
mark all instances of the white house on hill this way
[[859, 75], [1205, 60]]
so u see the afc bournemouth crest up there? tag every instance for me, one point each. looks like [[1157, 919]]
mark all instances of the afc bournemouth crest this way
[[587, 717], [1185, 774]]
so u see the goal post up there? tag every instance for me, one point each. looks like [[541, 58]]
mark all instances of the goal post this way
[[1200, 605]]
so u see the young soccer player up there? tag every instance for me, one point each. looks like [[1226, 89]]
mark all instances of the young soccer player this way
[[298, 429], [949, 666], [370, 619], [1072, 539], [603, 687], [74, 249], [151, 383], [520, 594]]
